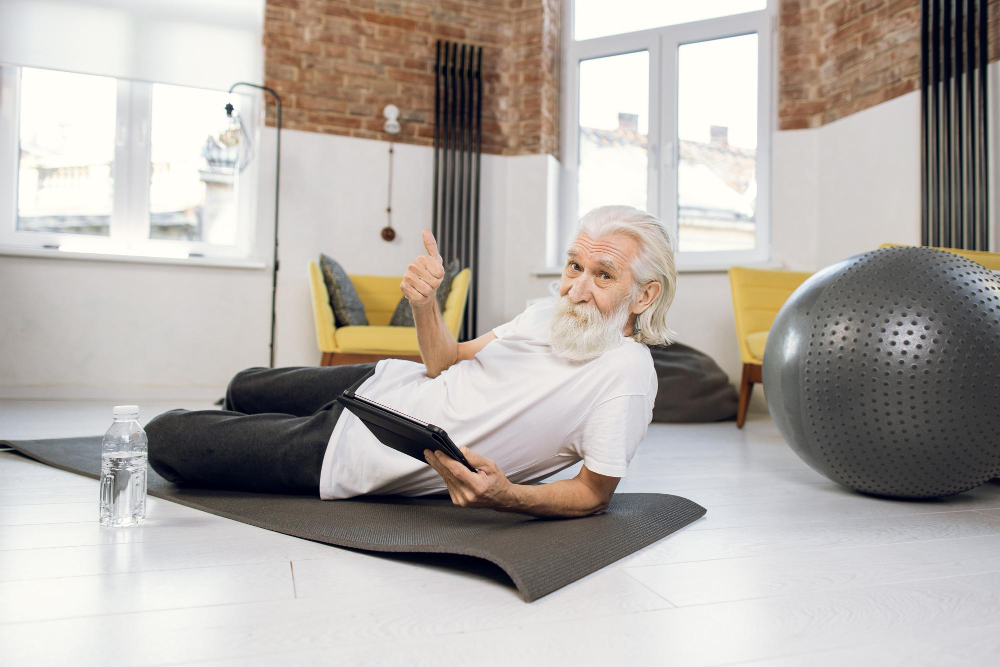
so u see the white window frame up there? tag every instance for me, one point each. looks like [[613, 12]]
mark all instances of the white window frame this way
[[130, 218], [662, 44]]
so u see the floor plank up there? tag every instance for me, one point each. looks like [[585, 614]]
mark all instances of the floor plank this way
[[376, 624], [81, 511], [208, 551], [798, 572], [958, 647], [165, 529], [44, 599], [695, 545]]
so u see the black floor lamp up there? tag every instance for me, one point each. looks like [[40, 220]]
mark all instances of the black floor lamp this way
[[277, 182]]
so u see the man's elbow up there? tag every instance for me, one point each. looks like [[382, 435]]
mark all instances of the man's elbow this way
[[596, 502], [601, 505]]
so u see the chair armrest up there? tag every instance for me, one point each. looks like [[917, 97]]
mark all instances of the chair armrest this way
[[326, 324]]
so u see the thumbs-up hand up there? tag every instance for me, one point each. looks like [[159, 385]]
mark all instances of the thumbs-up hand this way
[[423, 275]]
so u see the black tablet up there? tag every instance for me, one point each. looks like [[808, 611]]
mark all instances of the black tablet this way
[[403, 433]]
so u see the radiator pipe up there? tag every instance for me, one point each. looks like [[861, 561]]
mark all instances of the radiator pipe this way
[[435, 227], [925, 218], [474, 259], [982, 190]]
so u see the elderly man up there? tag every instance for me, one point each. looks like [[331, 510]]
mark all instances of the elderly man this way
[[567, 379]]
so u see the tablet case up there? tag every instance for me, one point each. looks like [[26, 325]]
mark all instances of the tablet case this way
[[402, 432]]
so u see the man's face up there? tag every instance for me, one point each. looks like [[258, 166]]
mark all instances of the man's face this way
[[595, 298], [599, 271]]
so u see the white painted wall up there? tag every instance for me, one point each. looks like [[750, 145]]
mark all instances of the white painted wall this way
[[121, 331]]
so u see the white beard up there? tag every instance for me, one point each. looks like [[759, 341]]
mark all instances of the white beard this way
[[579, 332]]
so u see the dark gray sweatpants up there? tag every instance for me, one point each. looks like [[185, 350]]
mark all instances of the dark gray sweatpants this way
[[270, 435]]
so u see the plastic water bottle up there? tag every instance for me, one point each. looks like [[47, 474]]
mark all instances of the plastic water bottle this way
[[123, 469]]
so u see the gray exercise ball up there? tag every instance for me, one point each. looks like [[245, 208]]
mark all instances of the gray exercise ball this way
[[882, 372]]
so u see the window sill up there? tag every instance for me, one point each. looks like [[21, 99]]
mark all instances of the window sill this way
[[53, 253], [707, 268]]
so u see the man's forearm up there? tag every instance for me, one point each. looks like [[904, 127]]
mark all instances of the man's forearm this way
[[437, 346], [564, 498]]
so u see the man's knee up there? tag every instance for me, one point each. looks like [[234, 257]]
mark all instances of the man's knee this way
[[238, 388], [163, 435]]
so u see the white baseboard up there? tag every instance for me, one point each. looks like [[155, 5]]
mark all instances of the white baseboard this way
[[120, 395]]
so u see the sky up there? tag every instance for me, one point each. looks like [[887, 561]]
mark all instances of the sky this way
[[716, 80]]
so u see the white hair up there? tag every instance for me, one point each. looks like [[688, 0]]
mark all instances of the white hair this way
[[654, 261]]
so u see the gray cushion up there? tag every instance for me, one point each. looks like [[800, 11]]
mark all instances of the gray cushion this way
[[347, 307], [692, 387], [403, 315]]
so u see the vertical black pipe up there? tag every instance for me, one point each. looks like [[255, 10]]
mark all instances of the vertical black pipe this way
[[972, 116], [969, 141], [946, 135], [445, 153], [437, 137], [924, 128], [960, 190], [467, 185], [460, 222], [453, 129], [450, 233], [474, 259], [460, 180], [983, 237], [968, 115], [935, 147]]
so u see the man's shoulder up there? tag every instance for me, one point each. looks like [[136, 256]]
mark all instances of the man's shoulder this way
[[537, 315], [633, 352], [632, 360], [545, 304]]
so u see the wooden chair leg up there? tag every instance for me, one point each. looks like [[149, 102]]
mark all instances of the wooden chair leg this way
[[751, 373], [327, 359]]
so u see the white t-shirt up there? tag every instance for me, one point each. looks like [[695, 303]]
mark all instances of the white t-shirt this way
[[517, 402]]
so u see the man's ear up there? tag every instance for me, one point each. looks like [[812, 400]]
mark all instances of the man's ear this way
[[647, 295]]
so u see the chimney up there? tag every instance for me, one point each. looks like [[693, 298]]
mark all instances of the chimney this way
[[629, 122], [719, 134]]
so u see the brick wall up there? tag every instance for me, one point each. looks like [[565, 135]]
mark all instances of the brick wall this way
[[838, 57], [337, 63]]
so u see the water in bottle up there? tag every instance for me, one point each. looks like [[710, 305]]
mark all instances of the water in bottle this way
[[123, 469]]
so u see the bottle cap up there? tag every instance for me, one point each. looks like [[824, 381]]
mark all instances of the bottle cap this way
[[122, 411]]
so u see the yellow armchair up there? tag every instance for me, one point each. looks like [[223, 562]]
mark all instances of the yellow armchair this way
[[758, 295], [377, 340]]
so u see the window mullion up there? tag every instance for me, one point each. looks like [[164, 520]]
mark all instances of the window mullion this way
[[571, 160], [655, 136], [9, 145], [124, 131], [139, 162], [669, 141]]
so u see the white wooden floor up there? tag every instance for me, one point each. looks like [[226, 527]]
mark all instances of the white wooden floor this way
[[786, 569]]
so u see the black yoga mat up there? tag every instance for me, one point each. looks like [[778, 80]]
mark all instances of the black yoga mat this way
[[540, 555]]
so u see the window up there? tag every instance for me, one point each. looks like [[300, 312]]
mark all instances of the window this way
[[104, 165], [668, 109]]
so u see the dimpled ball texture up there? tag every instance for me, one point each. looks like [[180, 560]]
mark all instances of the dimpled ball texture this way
[[882, 372]]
